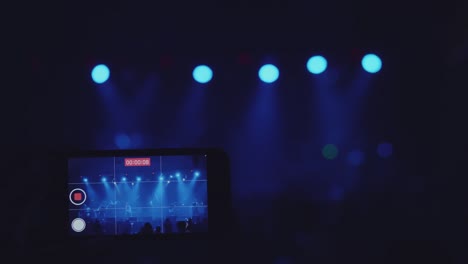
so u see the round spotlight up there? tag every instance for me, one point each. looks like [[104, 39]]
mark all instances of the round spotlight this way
[[161, 178], [317, 64], [138, 178], [196, 174], [103, 179], [371, 63], [268, 73], [202, 74], [100, 73], [85, 179], [177, 174], [124, 179]]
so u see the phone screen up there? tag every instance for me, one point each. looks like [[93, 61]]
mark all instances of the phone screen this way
[[129, 195]]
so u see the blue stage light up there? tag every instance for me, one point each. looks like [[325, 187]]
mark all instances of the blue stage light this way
[[268, 73], [196, 174], [177, 174], [103, 179], [161, 178], [85, 179], [100, 74], [371, 63], [124, 179], [317, 64], [138, 178], [202, 74]]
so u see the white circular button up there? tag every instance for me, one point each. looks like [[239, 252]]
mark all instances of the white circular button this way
[[78, 225]]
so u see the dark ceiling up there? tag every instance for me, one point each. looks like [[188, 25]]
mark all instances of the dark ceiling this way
[[217, 26]]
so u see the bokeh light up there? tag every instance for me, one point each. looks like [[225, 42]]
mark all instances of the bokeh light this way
[[355, 158], [122, 141], [202, 74], [371, 63], [385, 149], [100, 73], [330, 151], [317, 64], [268, 73]]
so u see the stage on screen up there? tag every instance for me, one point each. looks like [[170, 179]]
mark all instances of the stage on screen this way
[[137, 195]]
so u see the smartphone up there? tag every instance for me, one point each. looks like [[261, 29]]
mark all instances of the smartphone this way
[[150, 193]]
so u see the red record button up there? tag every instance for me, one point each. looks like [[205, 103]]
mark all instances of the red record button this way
[[77, 196]]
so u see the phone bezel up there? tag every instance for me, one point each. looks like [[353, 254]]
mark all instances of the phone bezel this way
[[218, 188]]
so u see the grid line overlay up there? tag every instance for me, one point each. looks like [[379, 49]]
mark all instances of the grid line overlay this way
[[159, 181], [112, 181]]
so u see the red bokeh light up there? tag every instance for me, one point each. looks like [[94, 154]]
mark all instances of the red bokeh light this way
[[35, 63], [356, 54], [244, 59], [166, 61]]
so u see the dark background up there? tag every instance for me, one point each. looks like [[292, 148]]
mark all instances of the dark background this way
[[426, 43]]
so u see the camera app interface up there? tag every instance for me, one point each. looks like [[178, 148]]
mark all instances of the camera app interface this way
[[137, 195]]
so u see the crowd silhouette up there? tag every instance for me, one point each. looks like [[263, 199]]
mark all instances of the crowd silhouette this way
[[188, 225]]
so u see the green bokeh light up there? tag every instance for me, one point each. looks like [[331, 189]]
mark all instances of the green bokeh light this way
[[330, 151]]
